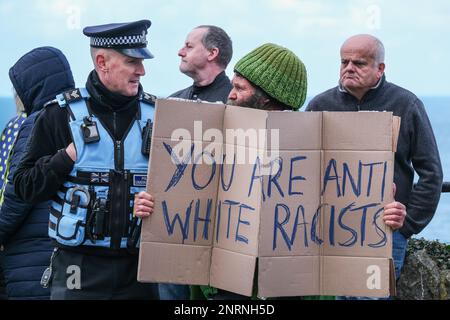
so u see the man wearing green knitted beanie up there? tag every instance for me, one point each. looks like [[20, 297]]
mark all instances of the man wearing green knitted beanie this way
[[270, 78]]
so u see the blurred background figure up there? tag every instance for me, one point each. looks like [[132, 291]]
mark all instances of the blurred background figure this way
[[7, 139]]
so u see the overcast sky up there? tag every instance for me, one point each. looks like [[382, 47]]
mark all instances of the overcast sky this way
[[415, 33]]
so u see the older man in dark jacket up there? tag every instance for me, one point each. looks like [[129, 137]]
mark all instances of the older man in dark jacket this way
[[363, 87], [37, 77]]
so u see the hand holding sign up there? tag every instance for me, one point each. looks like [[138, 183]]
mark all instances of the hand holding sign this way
[[143, 205], [308, 217], [394, 213]]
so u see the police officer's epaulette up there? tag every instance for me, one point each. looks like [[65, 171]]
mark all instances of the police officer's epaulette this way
[[149, 98], [72, 95], [69, 97]]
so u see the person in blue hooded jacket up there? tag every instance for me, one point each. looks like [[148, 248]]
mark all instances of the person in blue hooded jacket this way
[[37, 78]]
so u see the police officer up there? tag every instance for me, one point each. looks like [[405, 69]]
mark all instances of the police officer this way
[[88, 153]]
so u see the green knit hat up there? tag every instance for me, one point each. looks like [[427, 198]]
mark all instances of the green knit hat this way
[[278, 71]]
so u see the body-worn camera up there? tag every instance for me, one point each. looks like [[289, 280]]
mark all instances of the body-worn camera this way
[[147, 138], [90, 130]]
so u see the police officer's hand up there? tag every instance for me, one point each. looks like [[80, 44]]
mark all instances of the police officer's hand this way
[[72, 152], [143, 204]]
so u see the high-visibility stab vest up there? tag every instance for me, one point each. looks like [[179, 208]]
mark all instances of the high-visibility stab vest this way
[[94, 207]]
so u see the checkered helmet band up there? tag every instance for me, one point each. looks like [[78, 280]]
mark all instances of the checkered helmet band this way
[[117, 42]]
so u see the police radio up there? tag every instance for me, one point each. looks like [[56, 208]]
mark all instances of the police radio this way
[[90, 130]]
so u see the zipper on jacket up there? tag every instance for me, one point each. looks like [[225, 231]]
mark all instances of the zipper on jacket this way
[[118, 212]]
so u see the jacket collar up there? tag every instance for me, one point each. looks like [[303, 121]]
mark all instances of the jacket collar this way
[[217, 81]]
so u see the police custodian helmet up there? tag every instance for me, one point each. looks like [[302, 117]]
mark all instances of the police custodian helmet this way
[[127, 38]]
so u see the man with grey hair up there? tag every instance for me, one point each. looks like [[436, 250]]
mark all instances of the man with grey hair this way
[[363, 87], [204, 57]]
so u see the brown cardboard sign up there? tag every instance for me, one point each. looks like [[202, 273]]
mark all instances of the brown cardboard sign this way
[[291, 200]]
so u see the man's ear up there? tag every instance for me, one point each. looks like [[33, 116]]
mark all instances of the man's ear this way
[[263, 102], [381, 68], [100, 61], [213, 54]]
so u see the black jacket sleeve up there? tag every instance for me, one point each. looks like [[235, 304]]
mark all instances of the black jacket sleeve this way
[[424, 197], [45, 165]]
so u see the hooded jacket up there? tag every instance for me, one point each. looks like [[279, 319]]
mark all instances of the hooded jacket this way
[[37, 77]]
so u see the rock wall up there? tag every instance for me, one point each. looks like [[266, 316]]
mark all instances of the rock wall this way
[[426, 272]]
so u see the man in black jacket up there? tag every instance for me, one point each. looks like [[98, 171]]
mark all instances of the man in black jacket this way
[[85, 154], [363, 87], [204, 57]]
